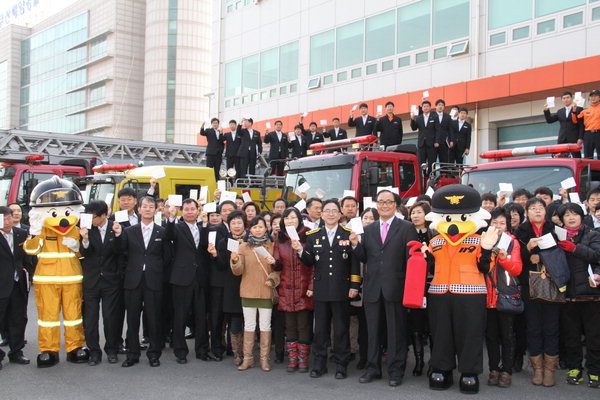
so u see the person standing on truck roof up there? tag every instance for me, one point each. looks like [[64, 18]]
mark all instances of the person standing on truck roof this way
[[214, 148], [279, 150], [232, 140], [428, 126], [298, 144], [336, 133], [312, 135], [569, 131], [591, 122], [460, 130], [365, 124], [444, 137], [255, 146], [390, 126]]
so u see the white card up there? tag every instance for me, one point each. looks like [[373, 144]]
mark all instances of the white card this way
[[426, 94], [121, 216], [261, 251], [268, 125], [320, 193], [574, 197], [194, 194], [357, 226], [301, 205], [2, 223], [323, 122], [504, 242], [222, 186], [109, 198], [430, 191], [247, 198], [349, 193], [591, 274], [85, 196], [305, 114], [395, 190], [561, 233], [302, 188], [583, 208], [580, 102], [210, 208], [506, 187], [203, 198], [550, 101], [368, 203], [414, 109], [292, 233], [159, 173], [309, 225], [85, 220], [568, 183], [380, 109], [380, 188], [228, 196], [556, 197], [453, 112], [233, 245], [212, 237], [175, 200], [578, 95], [158, 218], [354, 107], [546, 241], [411, 201], [292, 136]]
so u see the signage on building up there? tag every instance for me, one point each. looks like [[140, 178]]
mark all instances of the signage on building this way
[[29, 12]]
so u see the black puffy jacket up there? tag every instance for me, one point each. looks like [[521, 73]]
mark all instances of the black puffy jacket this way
[[586, 253]]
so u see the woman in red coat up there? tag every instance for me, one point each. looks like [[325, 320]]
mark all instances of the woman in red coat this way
[[296, 281]]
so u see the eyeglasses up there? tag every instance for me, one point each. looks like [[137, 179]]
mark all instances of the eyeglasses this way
[[333, 212], [386, 202]]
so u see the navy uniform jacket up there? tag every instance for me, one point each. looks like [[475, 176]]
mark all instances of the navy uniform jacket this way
[[365, 129]]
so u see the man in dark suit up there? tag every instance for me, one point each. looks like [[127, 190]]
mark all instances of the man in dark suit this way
[[279, 149], [336, 133], [143, 245], [365, 124], [444, 138], [299, 144], [390, 126], [101, 283], [243, 154], [189, 278], [427, 125], [233, 141], [17, 214], [461, 137], [384, 250], [255, 146], [214, 147], [336, 281], [568, 132], [312, 135], [13, 287]]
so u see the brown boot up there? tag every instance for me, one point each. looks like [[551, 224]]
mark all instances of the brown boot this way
[[248, 351], [537, 363], [265, 350], [236, 347], [493, 378], [550, 366], [505, 380]]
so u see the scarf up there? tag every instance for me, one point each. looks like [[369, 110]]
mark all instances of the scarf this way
[[238, 237], [572, 232], [253, 241]]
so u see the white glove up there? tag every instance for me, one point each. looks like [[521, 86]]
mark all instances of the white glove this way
[[35, 223], [71, 243], [35, 229], [489, 238]]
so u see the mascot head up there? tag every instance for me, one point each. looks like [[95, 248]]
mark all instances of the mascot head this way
[[56, 204], [456, 213]]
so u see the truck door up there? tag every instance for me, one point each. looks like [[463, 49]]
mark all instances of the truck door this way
[[373, 174], [407, 176]]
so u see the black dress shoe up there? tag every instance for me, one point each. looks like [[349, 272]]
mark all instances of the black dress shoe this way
[[143, 346], [340, 372], [130, 362], [122, 350], [78, 356], [4, 343], [217, 357], [395, 381], [279, 357], [369, 376], [47, 359], [190, 335], [440, 380], [112, 358], [93, 361], [362, 363], [182, 360], [19, 360], [318, 372], [469, 384], [144, 340], [203, 357], [154, 362]]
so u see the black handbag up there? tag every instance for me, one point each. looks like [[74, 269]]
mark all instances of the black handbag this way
[[509, 293], [541, 287]]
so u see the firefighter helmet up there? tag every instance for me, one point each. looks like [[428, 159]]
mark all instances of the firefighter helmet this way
[[55, 192]]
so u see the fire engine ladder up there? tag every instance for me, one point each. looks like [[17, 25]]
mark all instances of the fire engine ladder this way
[[16, 144]]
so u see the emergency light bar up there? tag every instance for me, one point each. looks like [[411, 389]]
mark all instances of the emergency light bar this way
[[532, 150], [343, 143], [113, 167]]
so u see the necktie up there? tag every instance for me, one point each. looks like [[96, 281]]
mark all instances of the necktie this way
[[9, 240], [196, 235], [384, 231], [330, 236], [147, 234]]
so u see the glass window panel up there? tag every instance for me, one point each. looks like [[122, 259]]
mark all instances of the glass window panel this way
[[283, 90], [254, 97], [596, 14], [245, 99], [273, 92], [413, 26], [342, 76], [546, 26], [450, 20], [236, 101], [573, 19], [440, 53], [422, 57], [371, 69], [227, 103], [269, 64], [520, 33], [250, 73], [380, 31], [387, 65], [497, 38], [233, 78], [327, 79], [356, 73], [507, 12], [264, 95], [288, 62], [322, 52], [404, 61], [293, 87], [545, 7], [349, 44]]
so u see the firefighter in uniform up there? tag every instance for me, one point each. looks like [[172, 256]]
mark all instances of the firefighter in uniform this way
[[54, 237], [457, 294], [336, 281]]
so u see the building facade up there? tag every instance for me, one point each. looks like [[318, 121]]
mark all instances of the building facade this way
[[500, 58]]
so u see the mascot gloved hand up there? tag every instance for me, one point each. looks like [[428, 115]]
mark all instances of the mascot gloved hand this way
[[457, 294], [55, 208]]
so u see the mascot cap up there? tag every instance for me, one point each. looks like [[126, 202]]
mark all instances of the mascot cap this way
[[55, 192], [455, 199]]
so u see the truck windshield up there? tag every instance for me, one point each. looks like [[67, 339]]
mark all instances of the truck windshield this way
[[332, 181], [99, 191], [530, 178]]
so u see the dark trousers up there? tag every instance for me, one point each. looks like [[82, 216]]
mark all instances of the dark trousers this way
[[577, 319], [11, 311], [216, 320], [236, 323], [214, 162], [542, 327], [109, 295], [136, 300], [520, 326], [186, 299], [363, 334], [252, 165], [230, 162], [167, 312], [457, 323], [241, 166], [457, 154], [297, 326], [427, 155], [325, 313], [277, 168], [591, 142], [500, 340], [380, 313], [443, 152], [278, 328]]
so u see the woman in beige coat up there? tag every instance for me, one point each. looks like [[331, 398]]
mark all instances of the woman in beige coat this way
[[254, 262]]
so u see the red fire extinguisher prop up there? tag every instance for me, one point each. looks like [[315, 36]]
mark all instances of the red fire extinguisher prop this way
[[416, 276]]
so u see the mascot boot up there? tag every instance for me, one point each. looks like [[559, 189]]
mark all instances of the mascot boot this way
[[54, 238]]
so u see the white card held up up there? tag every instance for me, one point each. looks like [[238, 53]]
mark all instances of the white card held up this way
[[175, 200], [203, 198], [357, 226], [222, 185], [233, 245], [591, 274], [268, 125], [158, 218], [228, 196], [395, 190], [380, 109], [261, 251], [367, 203], [292, 136], [580, 102], [411, 201], [349, 193], [159, 173], [1, 223], [574, 197], [430, 191], [303, 188], [309, 225], [399, 215], [301, 205], [453, 113], [568, 183], [578, 96], [247, 198], [121, 216], [561, 233], [320, 193], [504, 242], [212, 237], [556, 197], [546, 241], [323, 122], [354, 107], [414, 109], [194, 194], [550, 101], [292, 233], [506, 187], [85, 220], [210, 208], [426, 94], [305, 114], [381, 188]]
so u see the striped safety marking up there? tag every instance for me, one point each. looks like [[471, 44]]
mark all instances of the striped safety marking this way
[[44, 278]]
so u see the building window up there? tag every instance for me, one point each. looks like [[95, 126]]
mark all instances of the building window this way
[[404, 61], [288, 62], [442, 52], [227, 103], [328, 79], [349, 44], [283, 90], [171, 72], [342, 76], [520, 33], [98, 49], [497, 38], [254, 97], [264, 95], [236, 101], [371, 69], [269, 65], [293, 87], [546, 7], [387, 65], [379, 30], [508, 12], [596, 14], [97, 95], [245, 99], [250, 73], [545, 27], [233, 78], [422, 57], [356, 73], [573, 20], [413, 26], [273, 92], [322, 52], [450, 20]]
